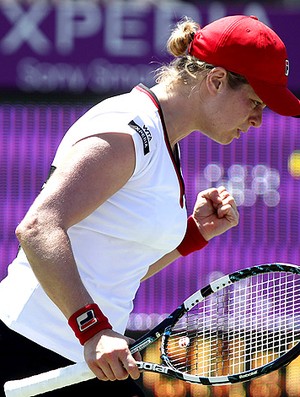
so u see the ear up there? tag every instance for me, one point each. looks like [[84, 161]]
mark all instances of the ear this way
[[216, 80]]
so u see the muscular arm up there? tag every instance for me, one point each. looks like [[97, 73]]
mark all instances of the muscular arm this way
[[94, 169]]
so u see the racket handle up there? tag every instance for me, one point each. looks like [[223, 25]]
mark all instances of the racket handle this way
[[48, 381]]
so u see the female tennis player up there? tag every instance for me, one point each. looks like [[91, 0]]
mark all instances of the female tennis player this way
[[112, 212]]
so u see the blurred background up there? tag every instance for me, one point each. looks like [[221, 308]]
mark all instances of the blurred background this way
[[58, 58]]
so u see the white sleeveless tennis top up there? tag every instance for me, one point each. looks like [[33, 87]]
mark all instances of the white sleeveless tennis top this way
[[114, 245]]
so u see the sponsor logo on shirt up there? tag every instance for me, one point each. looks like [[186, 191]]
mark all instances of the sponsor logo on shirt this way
[[144, 133]]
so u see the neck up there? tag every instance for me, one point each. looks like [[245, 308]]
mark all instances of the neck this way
[[177, 107]]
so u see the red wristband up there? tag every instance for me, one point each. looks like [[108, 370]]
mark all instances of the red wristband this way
[[88, 321], [193, 239]]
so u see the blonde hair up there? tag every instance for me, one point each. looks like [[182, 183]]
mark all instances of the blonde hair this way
[[182, 36], [186, 67]]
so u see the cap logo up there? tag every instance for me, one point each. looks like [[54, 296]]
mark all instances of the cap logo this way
[[287, 67]]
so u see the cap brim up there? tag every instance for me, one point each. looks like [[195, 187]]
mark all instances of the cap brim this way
[[278, 98]]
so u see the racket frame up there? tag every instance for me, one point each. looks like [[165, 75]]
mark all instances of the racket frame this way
[[162, 330]]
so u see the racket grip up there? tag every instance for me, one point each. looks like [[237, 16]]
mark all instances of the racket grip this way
[[48, 381]]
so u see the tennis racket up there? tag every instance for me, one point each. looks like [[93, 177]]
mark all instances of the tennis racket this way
[[241, 326]]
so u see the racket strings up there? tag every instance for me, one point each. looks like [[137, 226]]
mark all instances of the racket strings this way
[[243, 326]]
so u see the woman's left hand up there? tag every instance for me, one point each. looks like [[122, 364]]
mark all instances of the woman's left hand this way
[[215, 212]]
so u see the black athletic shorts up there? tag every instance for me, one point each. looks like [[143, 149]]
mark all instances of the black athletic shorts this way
[[20, 357]]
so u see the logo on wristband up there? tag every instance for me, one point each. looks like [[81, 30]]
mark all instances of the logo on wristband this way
[[86, 320]]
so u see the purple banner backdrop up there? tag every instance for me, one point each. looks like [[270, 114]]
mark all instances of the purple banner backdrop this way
[[75, 46], [262, 170]]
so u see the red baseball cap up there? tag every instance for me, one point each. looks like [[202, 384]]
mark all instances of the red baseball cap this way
[[244, 45]]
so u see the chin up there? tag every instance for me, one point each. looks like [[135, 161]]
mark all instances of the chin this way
[[228, 142], [223, 141]]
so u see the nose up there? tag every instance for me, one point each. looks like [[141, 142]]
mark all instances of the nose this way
[[255, 118]]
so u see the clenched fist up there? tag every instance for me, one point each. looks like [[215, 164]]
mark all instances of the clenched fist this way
[[215, 212]]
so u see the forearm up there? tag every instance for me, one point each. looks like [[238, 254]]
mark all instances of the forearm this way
[[162, 263], [50, 255], [192, 241]]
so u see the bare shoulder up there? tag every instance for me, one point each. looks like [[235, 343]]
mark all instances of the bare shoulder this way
[[93, 170]]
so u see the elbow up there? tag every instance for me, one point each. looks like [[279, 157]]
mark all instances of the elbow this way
[[19, 232], [26, 230]]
